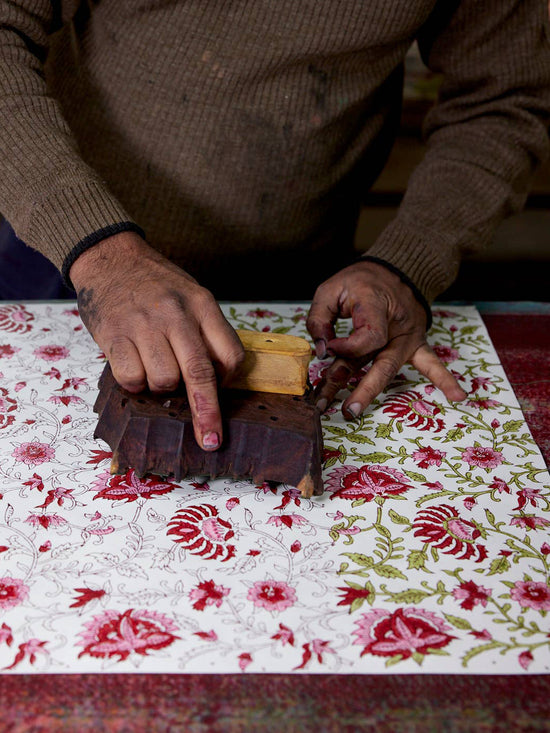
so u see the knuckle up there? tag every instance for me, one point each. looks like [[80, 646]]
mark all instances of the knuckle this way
[[199, 370], [163, 383]]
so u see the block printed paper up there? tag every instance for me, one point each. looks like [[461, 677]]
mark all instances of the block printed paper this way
[[428, 552]]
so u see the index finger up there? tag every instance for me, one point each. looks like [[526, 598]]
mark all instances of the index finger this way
[[199, 377]]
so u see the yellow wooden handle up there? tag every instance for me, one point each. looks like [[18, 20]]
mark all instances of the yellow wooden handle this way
[[274, 362]]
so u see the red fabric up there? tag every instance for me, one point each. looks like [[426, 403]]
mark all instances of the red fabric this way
[[257, 703]]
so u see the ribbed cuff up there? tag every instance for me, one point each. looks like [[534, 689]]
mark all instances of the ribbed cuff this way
[[430, 263], [404, 279], [95, 238]]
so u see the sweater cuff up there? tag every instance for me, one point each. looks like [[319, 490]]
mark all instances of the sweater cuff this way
[[73, 217], [423, 257], [95, 238]]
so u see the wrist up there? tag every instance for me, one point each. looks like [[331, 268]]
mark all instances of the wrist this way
[[112, 252]]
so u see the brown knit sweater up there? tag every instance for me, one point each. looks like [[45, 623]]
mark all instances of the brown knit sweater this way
[[242, 134]]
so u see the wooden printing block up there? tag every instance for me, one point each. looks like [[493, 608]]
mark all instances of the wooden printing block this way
[[266, 436]]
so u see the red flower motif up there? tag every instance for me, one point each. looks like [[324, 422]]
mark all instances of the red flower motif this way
[[33, 454], [482, 457], [425, 457], [442, 526], [114, 634], [446, 353], [244, 660], [402, 633], [273, 595], [52, 352], [208, 593], [471, 595], [317, 648], [525, 659], [530, 521], [7, 351], [7, 405], [12, 592], [15, 318], [202, 532], [130, 487], [414, 410], [500, 485], [46, 520], [29, 649], [260, 313], [530, 594], [100, 455], [86, 595], [527, 496], [287, 520], [351, 594], [284, 635], [6, 635], [366, 482]]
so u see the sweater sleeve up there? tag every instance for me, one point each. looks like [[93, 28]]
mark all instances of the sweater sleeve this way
[[54, 201], [485, 136]]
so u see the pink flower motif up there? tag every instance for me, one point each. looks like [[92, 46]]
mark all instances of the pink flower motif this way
[[33, 454], [296, 546], [531, 594], [7, 406], [471, 595], [525, 659], [500, 485], [202, 532], [411, 407], [527, 496], [232, 503], [66, 400], [469, 503], [316, 371], [46, 520], [207, 593], [7, 351], [12, 592], [128, 486], [6, 635], [260, 313], [483, 635], [52, 352], [366, 482], [112, 634], [15, 318], [445, 353], [316, 648], [273, 595], [244, 660], [287, 520], [425, 457], [545, 548], [482, 457], [482, 403], [284, 635], [402, 633], [480, 383], [530, 521]]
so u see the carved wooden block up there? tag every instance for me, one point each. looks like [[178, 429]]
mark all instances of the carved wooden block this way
[[267, 437]]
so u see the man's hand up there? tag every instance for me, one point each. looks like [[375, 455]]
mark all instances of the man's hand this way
[[388, 329], [156, 324]]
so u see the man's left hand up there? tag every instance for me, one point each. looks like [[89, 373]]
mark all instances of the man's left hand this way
[[389, 329]]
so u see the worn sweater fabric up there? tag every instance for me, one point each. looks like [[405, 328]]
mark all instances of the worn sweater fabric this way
[[241, 135]]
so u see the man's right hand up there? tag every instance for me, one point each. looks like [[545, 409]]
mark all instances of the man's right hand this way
[[156, 324]]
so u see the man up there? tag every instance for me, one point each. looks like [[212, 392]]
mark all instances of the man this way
[[240, 135]]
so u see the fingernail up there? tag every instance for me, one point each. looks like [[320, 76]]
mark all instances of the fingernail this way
[[321, 348], [211, 441], [355, 409], [321, 404]]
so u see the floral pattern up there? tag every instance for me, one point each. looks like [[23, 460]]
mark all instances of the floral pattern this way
[[427, 552]]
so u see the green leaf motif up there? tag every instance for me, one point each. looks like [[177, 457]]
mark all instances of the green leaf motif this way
[[412, 595], [416, 476], [374, 457], [499, 565], [359, 438], [460, 623], [384, 431], [454, 434], [357, 557], [479, 650], [512, 426], [398, 518], [417, 560], [388, 571]]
